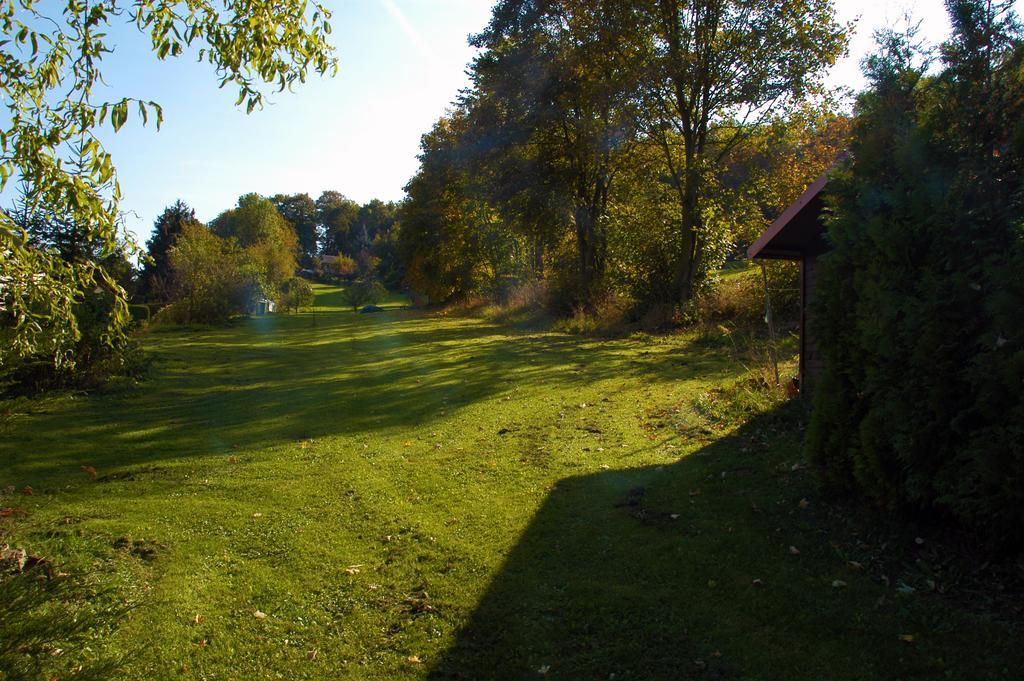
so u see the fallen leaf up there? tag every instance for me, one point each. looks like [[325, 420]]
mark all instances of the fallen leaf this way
[[232, 459], [758, 583], [907, 638], [919, 541], [353, 569], [854, 566], [413, 659], [794, 551], [260, 615], [674, 516], [544, 669], [804, 503], [202, 644], [17, 557], [8, 512], [197, 619], [90, 470], [311, 654], [838, 584], [257, 515], [27, 491]]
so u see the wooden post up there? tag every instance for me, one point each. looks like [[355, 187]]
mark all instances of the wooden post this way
[[771, 323]]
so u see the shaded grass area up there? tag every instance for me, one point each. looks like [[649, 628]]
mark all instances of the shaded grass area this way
[[399, 495]]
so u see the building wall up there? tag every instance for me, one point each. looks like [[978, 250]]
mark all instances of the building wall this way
[[811, 361]]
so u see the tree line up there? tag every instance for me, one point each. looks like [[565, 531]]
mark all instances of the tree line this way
[[256, 248], [193, 272], [621, 149]]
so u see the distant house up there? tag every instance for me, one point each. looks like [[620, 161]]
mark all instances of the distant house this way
[[799, 234], [329, 260], [262, 305]]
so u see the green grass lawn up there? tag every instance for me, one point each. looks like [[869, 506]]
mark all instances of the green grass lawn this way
[[403, 495]]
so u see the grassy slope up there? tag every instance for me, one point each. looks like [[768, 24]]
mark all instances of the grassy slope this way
[[495, 504]]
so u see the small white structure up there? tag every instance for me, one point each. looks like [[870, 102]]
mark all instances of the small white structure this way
[[262, 306]]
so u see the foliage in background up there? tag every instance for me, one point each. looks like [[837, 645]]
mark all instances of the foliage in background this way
[[720, 70], [300, 212], [620, 152], [50, 64], [270, 243], [918, 315], [208, 283], [155, 276]]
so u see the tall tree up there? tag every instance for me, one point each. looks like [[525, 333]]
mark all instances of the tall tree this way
[[718, 69], [166, 228], [374, 218], [560, 80], [437, 242], [300, 211], [335, 215]]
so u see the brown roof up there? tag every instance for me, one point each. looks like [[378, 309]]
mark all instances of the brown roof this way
[[797, 231]]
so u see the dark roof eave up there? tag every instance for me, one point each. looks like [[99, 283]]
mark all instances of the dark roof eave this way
[[761, 249]]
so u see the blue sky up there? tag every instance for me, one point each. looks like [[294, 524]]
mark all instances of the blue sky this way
[[401, 63]]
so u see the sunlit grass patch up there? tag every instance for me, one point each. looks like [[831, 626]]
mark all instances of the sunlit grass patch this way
[[403, 495]]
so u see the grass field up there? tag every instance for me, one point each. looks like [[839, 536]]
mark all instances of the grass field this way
[[406, 496]]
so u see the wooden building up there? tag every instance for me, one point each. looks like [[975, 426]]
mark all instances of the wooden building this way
[[799, 234]]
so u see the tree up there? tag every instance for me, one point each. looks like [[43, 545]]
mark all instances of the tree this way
[[717, 70], [296, 293], [50, 71], [267, 239], [439, 244], [93, 355], [374, 218], [208, 275], [556, 77], [363, 292], [166, 228], [300, 211], [335, 216], [918, 306]]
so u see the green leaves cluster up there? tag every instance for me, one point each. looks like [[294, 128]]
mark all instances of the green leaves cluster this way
[[50, 66]]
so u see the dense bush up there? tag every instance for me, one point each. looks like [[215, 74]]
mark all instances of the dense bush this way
[[363, 292], [918, 313], [296, 293]]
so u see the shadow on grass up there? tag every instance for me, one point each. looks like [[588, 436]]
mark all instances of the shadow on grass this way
[[686, 572], [47, 624], [610, 578]]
